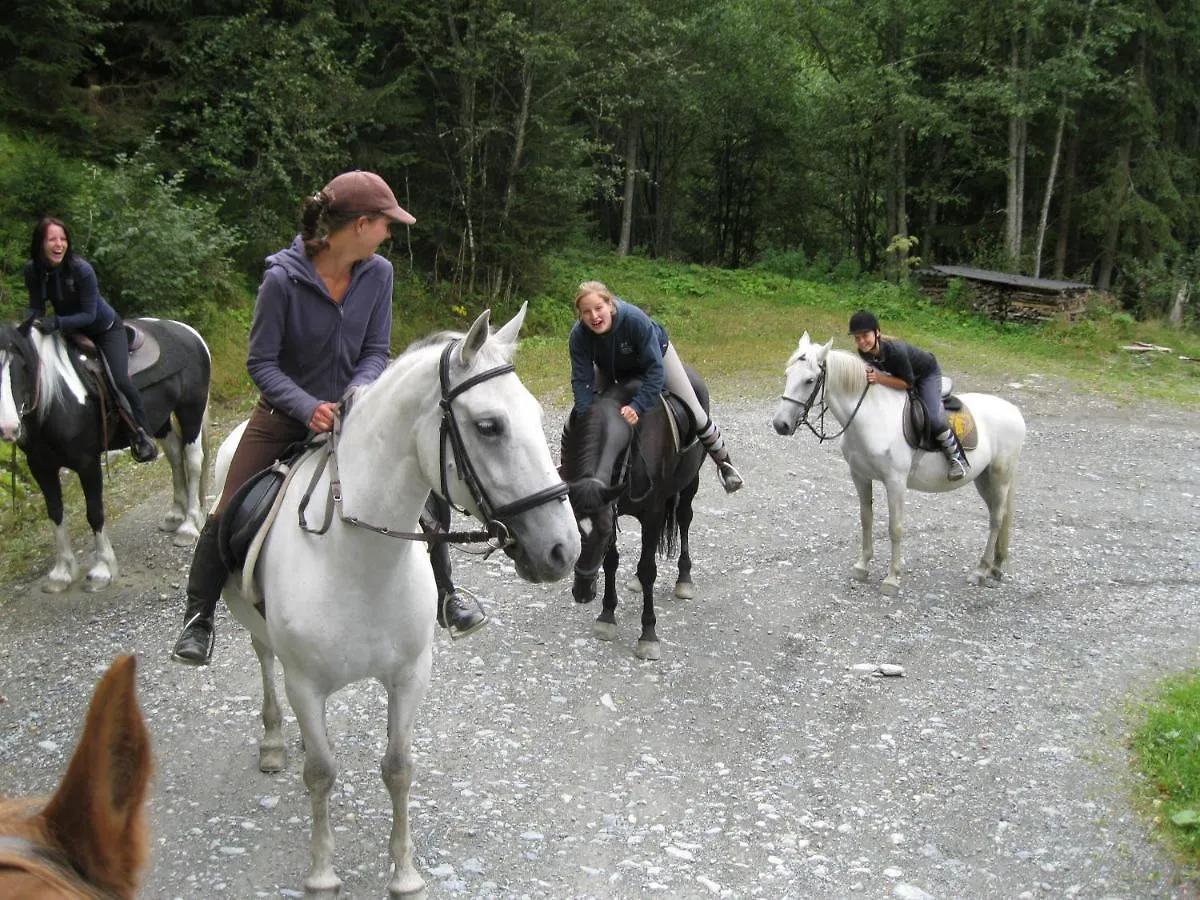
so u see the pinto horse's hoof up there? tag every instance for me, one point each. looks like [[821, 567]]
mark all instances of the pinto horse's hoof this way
[[605, 631], [859, 573], [685, 590], [648, 650]]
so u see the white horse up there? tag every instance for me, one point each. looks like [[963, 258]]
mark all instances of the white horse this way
[[348, 600], [820, 379]]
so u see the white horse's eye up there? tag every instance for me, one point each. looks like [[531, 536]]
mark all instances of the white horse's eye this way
[[489, 427]]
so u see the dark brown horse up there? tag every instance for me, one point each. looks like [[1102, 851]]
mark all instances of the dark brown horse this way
[[614, 470], [89, 841]]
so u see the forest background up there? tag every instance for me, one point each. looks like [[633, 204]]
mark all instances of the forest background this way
[[815, 139]]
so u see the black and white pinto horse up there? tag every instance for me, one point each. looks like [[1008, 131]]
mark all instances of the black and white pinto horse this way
[[612, 472], [60, 419]]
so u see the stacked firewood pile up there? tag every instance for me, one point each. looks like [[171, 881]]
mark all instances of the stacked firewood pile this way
[[1011, 298]]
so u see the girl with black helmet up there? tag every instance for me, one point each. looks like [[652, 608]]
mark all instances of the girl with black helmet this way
[[896, 364]]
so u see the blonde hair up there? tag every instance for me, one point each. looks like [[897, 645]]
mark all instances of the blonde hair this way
[[598, 288]]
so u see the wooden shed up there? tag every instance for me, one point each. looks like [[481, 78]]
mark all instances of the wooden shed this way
[[1008, 297]]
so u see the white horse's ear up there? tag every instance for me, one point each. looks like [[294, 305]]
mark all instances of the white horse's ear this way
[[508, 334], [804, 339], [827, 346], [475, 338]]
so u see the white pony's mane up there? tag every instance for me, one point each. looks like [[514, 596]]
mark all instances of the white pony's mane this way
[[846, 372], [56, 375]]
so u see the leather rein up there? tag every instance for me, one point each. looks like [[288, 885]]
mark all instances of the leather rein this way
[[496, 534], [806, 408]]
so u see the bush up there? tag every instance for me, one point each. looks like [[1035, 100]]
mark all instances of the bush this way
[[153, 250]]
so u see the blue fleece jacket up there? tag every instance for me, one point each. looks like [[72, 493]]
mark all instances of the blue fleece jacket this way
[[72, 289], [305, 349], [632, 347]]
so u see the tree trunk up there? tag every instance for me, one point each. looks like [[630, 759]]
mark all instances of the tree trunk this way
[[1045, 216], [520, 128], [1064, 210], [1017, 138], [631, 160], [1108, 260], [1175, 317]]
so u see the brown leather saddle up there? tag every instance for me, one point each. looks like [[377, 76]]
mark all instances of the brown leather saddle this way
[[958, 417]]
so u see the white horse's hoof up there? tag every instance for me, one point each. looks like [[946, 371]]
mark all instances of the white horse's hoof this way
[[685, 590], [976, 578], [406, 886], [647, 650], [859, 573], [605, 631], [171, 521], [889, 588], [184, 538], [272, 759]]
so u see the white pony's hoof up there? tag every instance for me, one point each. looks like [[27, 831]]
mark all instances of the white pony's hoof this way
[[975, 578], [605, 631], [889, 588], [859, 573], [685, 590], [648, 650], [171, 521]]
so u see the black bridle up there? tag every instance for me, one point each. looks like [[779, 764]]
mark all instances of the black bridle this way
[[497, 533], [806, 408]]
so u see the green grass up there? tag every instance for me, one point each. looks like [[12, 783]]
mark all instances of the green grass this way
[[1166, 747]]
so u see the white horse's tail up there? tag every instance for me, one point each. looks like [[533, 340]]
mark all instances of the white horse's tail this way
[[205, 453]]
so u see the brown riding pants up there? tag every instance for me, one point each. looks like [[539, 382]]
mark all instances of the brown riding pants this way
[[268, 433]]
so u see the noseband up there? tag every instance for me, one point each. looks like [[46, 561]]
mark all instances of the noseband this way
[[806, 408], [497, 533]]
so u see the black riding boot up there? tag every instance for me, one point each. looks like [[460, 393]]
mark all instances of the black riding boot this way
[[458, 610], [142, 446], [714, 443], [954, 455], [205, 581]]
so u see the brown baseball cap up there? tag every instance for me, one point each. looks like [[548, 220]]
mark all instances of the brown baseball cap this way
[[365, 192]]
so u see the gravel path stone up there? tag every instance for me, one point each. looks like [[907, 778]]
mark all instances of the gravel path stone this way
[[802, 736]]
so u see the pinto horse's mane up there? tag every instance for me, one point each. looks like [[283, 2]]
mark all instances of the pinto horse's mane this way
[[47, 355]]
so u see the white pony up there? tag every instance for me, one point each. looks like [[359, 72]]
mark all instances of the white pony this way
[[820, 379], [351, 601]]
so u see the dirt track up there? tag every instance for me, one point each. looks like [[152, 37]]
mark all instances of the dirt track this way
[[751, 761]]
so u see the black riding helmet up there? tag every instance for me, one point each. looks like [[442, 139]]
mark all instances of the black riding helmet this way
[[863, 320]]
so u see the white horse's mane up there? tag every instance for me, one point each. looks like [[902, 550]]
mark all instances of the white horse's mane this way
[[56, 375], [847, 372]]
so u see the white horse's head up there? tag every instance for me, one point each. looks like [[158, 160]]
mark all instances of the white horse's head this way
[[491, 451], [802, 376]]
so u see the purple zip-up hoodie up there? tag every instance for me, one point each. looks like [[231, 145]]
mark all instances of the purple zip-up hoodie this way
[[305, 349]]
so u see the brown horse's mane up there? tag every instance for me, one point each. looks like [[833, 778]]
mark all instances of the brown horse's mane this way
[[89, 840]]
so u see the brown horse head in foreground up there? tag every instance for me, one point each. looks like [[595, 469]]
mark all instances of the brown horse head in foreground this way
[[89, 841]]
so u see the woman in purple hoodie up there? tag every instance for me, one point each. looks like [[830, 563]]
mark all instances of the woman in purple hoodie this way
[[322, 325]]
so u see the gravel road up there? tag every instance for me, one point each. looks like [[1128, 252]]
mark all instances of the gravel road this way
[[753, 760]]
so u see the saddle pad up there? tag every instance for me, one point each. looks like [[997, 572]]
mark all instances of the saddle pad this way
[[680, 420]]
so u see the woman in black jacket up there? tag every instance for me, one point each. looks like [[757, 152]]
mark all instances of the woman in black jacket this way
[[54, 275]]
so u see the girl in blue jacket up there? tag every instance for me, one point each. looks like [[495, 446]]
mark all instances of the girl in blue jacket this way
[[618, 341]]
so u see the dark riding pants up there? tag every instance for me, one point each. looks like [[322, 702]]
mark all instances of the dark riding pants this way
[[114, 344], [930, 390]]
